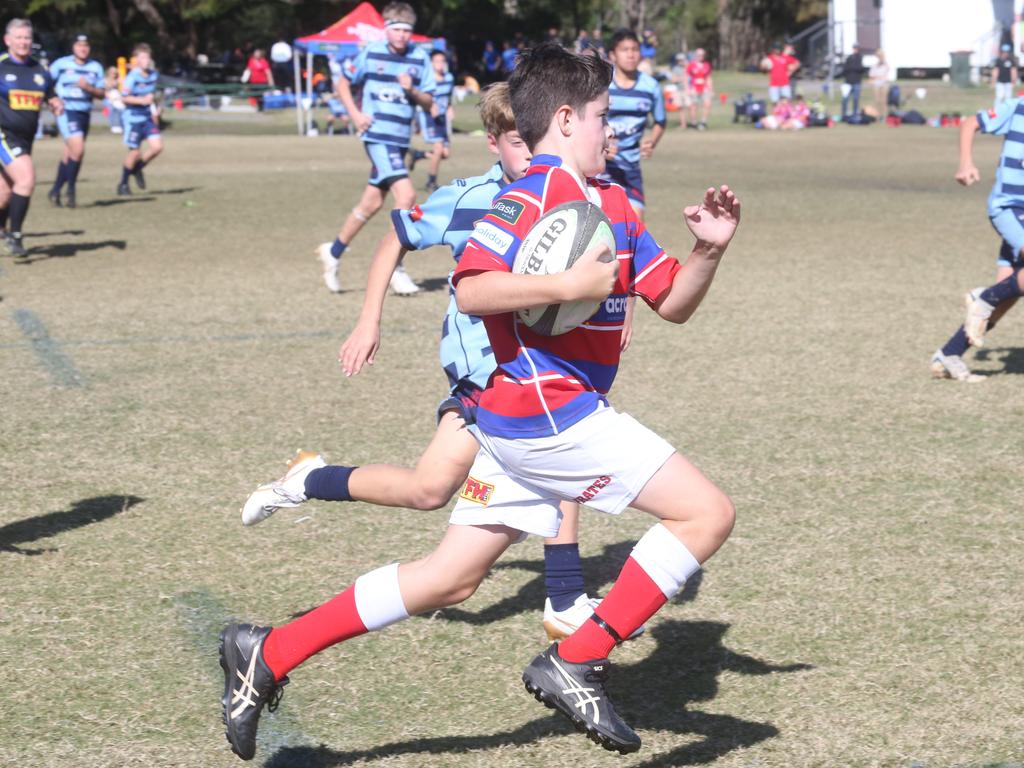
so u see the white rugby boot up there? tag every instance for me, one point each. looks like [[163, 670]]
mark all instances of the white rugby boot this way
[[401, 283], [330, 267], [952, 367], [288, 491], [560, 624]]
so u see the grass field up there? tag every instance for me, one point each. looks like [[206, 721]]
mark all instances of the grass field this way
[[164, 353]]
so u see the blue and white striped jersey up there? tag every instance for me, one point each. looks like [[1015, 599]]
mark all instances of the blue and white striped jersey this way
[[66, 71], [628, 109], [377, 69], [448, 217], [1006, 120], [139, 82], [443, 94]]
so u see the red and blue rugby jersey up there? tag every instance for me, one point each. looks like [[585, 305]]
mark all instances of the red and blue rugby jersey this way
[[545, 384]]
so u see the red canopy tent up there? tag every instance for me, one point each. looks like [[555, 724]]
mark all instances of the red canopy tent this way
[[343, 39]]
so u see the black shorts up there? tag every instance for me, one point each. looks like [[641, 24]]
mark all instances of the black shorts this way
[[13, 145]]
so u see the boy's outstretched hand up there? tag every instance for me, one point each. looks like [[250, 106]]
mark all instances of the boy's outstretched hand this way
[[714, 221]]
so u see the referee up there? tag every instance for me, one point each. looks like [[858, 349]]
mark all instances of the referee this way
[[24, 84]]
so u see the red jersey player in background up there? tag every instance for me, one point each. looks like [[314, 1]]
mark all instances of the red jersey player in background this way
[[699, 89], [780, 65]]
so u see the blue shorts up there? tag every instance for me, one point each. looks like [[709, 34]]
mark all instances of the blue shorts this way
[[387, 163], [13, 146], [138, 129], [434, 129], [776, 92], [73, 124], [628, 177], [1009, 223], [463, 399]]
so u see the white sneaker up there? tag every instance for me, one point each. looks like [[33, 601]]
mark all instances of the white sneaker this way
[[289, 491], [330, 265], [560, 624], [401, 283], [953, 367], [976, 318]]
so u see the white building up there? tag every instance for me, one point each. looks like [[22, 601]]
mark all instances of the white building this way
[[920, 34]]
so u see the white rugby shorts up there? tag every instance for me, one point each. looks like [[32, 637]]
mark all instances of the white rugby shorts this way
[[603, 461]]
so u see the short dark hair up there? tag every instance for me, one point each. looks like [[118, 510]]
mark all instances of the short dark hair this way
[[620, 35], [438, 52], [547, 77]]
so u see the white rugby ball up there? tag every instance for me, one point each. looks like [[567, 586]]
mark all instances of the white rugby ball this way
[[553, 245]]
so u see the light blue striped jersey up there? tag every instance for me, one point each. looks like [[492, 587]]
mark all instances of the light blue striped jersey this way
[[1006, 120], [139, 82], [628, 109], [377, 69], [66, 72], [443, 94], [448, 217]]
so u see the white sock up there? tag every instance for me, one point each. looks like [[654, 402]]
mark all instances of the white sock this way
[[665, 559], [378, 598]]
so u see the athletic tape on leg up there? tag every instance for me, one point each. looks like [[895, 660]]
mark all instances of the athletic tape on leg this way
[[379, 599], [360, 215], [665, 559]]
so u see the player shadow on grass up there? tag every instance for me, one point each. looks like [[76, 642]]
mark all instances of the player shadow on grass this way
[[175, 191], [1012, 359], [67, 250], [83, 512], [111, 201], [597, 570], [652, 695], [431, 284], [55, 234]]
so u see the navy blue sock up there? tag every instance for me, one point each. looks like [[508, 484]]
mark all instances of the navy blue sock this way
[[72, 173], [957, 343], [19, 210], [432, 179], [329, 483], [139, 165], [1001, 291], [62, 176], [563, 574], [3, 218], [125, 173], [337, 248]]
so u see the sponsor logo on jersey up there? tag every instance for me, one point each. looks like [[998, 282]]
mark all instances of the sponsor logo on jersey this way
[[476, 491], [493, 238], [992, 113], [9, 77], [24, 100], [38, 79], [594, 488], [392, 96], [508, 210], [615, 305], [416, 213]]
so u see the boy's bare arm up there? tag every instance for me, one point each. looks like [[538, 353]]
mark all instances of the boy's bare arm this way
[[713, 222], [360, 120], [494, 292], [967, 173], [362, 344]]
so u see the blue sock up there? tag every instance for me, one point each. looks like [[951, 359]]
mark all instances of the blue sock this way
[[62, 175], [563, 574], [1001, 291], [72, 173], [125, 173], [957, 343], [329, 483], [337, 248]]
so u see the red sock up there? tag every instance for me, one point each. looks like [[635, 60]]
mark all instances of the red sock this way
[[291, 644], [632, 600]]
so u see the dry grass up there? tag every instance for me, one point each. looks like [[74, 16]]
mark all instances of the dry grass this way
[[866, 611]]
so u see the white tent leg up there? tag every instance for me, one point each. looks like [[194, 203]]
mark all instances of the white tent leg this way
[[309, 88], [297, 91]]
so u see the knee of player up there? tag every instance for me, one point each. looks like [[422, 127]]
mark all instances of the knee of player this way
[[721, 514], [459, 590]]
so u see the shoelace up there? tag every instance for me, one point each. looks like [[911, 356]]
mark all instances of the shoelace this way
[[276, 694]]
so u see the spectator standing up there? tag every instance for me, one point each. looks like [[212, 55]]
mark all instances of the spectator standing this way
[[648, 51], [699, 89], [878, 76], [583, 41], [492, 62], [780, 67], [1004, 74], [257, 70], [853, 75], [113, 100], [281, 64], [509, 53]]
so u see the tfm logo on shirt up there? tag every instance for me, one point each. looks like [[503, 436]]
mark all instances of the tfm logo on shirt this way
[[392, 96], [28, 101], [477, 491]]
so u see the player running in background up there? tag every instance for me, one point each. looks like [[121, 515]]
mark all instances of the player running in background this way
[[395, 77], [633, 95], [77, 81], [446, 218], [699, 90], [436, 123], [141, 119], [24, 86], [545, 438], [1006, 212]]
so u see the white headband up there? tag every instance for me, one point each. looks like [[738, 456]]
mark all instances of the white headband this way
[[401, 25]]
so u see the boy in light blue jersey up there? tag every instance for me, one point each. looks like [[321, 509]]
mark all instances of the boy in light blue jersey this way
[[446, 218], [633, 95], [77, 81], [984, 306], [395, 78], [435, 123], [140, 119]]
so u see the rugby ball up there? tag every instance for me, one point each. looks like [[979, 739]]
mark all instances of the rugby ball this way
[[553, 245]]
